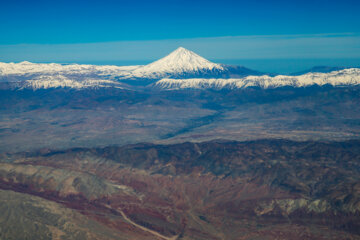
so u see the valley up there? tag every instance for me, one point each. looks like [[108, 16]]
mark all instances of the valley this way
[[65, 118]]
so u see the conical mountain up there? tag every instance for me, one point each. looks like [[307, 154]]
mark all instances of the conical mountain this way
[[179, 64]]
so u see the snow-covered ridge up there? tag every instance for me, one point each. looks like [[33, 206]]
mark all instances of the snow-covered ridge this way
[[28, 68], [344, 77], [53, 75], [60, 81]]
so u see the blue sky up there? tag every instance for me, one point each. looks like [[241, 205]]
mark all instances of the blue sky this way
[[100, 31]]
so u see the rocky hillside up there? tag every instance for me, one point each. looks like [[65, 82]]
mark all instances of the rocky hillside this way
[[210, 190]]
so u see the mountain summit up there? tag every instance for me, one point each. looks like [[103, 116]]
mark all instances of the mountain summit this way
[[179, 63]]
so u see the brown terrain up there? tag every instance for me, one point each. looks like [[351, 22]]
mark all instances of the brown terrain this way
[[74, 165], [66, 118], [263, 189]]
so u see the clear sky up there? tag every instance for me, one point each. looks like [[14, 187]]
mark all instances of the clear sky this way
[[100, 31]]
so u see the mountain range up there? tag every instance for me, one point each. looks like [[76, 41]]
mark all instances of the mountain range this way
[[180, 69], [179, 149]]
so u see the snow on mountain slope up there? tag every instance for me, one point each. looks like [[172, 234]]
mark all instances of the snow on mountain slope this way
[[52, 75], [28, 68], [349, 76], [180, 69], [179, 63], [60, 81]]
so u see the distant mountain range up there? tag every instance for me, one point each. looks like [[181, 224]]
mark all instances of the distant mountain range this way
[[179, 70], [319, 69]]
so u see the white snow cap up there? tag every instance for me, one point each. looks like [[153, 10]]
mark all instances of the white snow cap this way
[[179, 61]]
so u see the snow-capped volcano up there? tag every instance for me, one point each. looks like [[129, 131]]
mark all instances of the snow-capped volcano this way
[[180, 63]]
